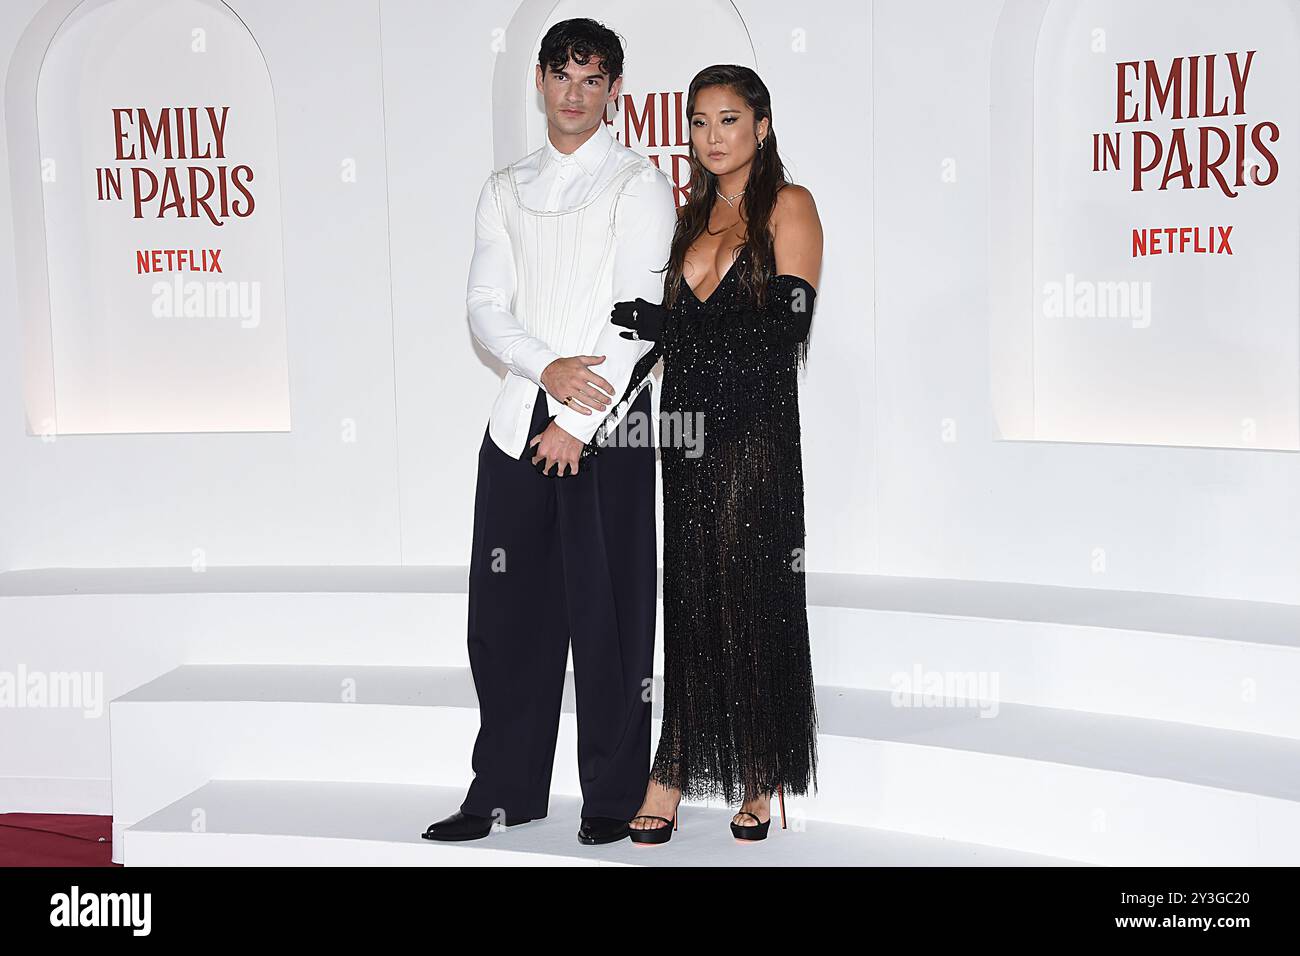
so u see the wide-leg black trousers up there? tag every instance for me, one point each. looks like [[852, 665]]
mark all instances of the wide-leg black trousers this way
[[554, 559]]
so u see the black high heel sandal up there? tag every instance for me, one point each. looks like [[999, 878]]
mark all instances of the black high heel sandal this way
[[653, 835], [742, 832], [759, 832]]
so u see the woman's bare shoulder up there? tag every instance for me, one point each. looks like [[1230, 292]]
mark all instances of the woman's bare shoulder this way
[[794, 202], [797, 233]]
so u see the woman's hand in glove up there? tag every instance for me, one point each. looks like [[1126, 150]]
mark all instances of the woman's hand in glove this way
[[645, 319]]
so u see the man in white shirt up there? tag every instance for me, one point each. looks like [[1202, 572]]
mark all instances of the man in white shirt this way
[[564, 545]]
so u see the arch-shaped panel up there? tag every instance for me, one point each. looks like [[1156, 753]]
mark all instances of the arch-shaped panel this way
[[155, 296], [1145, 222]]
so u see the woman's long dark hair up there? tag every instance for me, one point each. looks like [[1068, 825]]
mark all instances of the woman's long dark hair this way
[[766, 177]]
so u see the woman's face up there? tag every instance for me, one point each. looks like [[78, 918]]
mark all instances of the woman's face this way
[[723, 131]]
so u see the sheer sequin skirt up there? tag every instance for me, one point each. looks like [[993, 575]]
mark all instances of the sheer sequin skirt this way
[[739, 710]]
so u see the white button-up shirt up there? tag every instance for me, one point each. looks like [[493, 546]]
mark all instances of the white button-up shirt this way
[[559, 238]]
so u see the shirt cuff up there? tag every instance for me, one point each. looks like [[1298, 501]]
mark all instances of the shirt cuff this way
[[580, 426], [531, 358]]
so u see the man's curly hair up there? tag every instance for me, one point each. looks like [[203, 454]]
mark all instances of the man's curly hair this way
[[580, 39]]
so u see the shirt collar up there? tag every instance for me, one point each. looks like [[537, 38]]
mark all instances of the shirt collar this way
[[588, 157]]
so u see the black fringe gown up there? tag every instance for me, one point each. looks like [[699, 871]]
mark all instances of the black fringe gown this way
[[739, 711]]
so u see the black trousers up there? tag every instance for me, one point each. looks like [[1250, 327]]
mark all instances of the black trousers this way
[[555, 558]]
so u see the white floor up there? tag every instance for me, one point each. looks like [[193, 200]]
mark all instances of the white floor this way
[[352, 824]]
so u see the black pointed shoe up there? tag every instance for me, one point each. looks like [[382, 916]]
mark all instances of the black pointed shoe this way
[[465, 826], [597, 830]]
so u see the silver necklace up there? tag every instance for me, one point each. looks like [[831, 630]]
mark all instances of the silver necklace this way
[[728, 201]]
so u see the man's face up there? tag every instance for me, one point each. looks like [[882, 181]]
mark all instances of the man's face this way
[[576, 95]]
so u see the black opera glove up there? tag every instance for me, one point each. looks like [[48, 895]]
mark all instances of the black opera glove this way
[[790, 306], [645, 319]]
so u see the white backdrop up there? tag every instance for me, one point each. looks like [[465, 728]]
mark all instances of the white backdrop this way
[[882, 111]]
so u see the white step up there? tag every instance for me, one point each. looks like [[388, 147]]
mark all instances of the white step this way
[[1218, 663], [270, 823], [1205, 661], [1067, 784]]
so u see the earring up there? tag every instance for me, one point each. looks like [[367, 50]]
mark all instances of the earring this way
[[760, 144]]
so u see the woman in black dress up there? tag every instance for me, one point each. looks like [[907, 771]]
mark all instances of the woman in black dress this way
[[739, 715]]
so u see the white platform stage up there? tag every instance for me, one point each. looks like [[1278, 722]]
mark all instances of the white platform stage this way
[[300, 715]]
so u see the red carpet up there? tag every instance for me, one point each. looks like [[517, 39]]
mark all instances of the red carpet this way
[[55, 839]]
